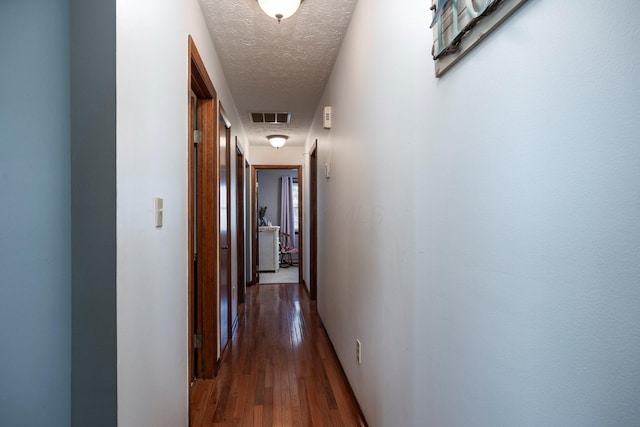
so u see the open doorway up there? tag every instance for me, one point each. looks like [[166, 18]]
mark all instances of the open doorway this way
[[277, 228]]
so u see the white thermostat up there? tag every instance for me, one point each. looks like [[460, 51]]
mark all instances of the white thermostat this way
[[327, 118]]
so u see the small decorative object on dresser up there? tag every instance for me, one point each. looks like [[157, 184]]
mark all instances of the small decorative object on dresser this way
[[262, 216]]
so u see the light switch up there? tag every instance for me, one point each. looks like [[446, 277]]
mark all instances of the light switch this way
[[158, 203], [327, 170]]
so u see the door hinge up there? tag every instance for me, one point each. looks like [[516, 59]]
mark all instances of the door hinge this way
[[197, 136], [197, 341]]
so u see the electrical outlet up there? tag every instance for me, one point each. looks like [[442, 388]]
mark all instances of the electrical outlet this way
[[359, 351]]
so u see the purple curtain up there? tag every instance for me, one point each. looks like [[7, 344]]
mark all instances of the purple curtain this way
[[286, 211]]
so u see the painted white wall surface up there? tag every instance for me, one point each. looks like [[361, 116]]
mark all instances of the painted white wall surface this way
[[480, 233], [281, 156], [152, 113]]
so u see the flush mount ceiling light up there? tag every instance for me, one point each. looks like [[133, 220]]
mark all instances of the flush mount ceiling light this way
[[279, 9], [277, 140]]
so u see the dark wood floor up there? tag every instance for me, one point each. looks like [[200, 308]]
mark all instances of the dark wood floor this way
[[280, 369]]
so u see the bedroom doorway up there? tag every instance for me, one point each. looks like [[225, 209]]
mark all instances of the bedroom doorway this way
[[277, 231]]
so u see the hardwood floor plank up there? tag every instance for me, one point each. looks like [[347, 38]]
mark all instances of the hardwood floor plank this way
[[305, 410], [221, 405], [267, 408], [257, 415], [279, 369], [243, 390]]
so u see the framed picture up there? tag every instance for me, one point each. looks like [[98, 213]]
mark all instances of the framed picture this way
[[459, 25]]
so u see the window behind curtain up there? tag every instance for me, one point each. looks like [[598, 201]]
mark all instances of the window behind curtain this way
[[294, 196]]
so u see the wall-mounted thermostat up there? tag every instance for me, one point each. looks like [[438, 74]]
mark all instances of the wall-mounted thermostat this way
[[327, 118]]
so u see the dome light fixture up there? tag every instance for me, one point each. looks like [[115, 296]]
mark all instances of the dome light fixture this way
[[279, 9], [277, 141]]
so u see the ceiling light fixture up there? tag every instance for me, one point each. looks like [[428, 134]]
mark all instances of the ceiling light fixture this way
[[277, 140], [279, 9]]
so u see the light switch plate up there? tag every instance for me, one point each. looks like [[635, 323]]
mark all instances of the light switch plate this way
[[158, 209]]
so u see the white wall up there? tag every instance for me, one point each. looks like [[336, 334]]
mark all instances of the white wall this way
[[271, 156], [479, 232], [152, 113]]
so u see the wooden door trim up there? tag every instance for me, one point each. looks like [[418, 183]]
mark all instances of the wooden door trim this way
[[254, 222], [190, 262], [240, 223], [206, 280], [313, 222], [227, 129]]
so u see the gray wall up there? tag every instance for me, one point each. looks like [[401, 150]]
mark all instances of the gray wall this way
[[269, 191], [93, 208], [35, 248]]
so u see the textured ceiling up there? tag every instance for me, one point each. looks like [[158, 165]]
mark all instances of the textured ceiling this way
[[273, 67]]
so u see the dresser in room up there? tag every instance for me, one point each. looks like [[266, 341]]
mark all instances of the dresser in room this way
[[269, 248]]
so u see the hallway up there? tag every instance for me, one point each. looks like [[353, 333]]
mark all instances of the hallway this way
[[280, 369], [478, 234]]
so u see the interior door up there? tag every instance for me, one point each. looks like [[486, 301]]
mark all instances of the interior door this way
[[203, 215], [225, 221], [193, 240], [313, 226], [240, 222]]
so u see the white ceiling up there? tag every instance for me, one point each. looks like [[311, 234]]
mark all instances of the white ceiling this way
[[277, 67]]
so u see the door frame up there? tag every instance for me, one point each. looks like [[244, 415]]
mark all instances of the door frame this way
[[227, 128], [240, 223], [254, 221], [205, 283], [313, 222]]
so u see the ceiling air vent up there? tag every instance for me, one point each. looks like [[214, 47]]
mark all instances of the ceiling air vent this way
[[271, 118]]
